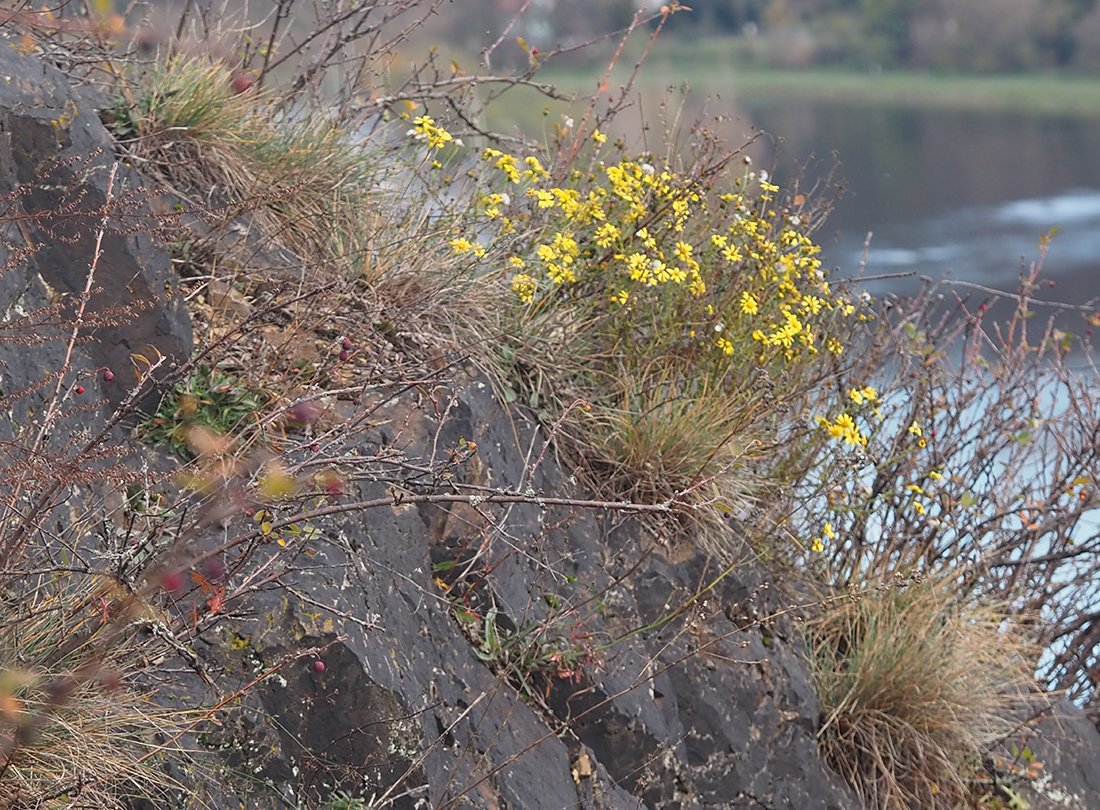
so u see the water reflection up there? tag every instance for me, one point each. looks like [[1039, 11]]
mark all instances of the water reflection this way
[[968, 194]]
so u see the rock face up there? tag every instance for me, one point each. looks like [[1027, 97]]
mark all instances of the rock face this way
[[608, 676], [1067, 745], [55, 161]]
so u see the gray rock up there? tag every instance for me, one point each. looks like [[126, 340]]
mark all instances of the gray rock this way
[[693, 713], [55, 160], [1055, 761]]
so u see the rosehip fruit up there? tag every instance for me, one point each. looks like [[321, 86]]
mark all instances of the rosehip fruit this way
[[172, 581]]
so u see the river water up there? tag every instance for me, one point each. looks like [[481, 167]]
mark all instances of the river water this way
[[968, 194]]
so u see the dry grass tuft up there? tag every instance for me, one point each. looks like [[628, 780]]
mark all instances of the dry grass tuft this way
[[75, 728], [913, 689], [300, 176]]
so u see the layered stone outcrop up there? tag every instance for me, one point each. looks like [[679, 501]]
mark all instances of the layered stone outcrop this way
[[692, 712], [56, 159]]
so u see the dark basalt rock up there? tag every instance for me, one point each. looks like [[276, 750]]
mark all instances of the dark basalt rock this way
[[693, 713], [55, 160]]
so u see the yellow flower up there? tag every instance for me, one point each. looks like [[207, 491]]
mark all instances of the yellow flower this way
[[425, 129], [606, 234], [914, 488], [461, 245], [620, 298], [829, 532], [749, 305], [545, 198], [817, 546], [731, 254], [935, 475], [535, 171], [599, 137], [524, 287], [915, 429], [725, 345], [560, 273]]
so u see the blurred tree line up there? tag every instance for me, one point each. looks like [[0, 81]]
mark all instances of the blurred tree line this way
[[963, 35]]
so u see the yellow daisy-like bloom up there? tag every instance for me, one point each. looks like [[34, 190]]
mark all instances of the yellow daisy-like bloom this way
[[860, 395], [524, 286], [725, 345], [425, 129], [749, 305], [606, 234], [461, 245]]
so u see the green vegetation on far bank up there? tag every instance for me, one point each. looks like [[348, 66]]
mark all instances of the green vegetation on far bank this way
[[708, 69]]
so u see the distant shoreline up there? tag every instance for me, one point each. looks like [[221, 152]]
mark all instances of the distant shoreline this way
[[707, 71]]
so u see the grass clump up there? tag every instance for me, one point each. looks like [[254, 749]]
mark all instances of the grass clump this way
[[231, 147], [913, 688], [75, 728]]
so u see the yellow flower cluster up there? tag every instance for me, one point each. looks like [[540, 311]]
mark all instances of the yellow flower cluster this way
[[464, 245], [637, 235], [425, 129], [525, 287], [843, 428]]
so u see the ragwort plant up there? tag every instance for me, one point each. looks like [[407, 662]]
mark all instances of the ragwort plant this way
[[687, 309]]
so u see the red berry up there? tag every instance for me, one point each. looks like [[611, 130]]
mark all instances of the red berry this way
[[241, 83], [108, 375], [305, 413], [172, 581], [318, 666], [79, 389], [315, 447], [345, 343], [344, 355], [214, 568]]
